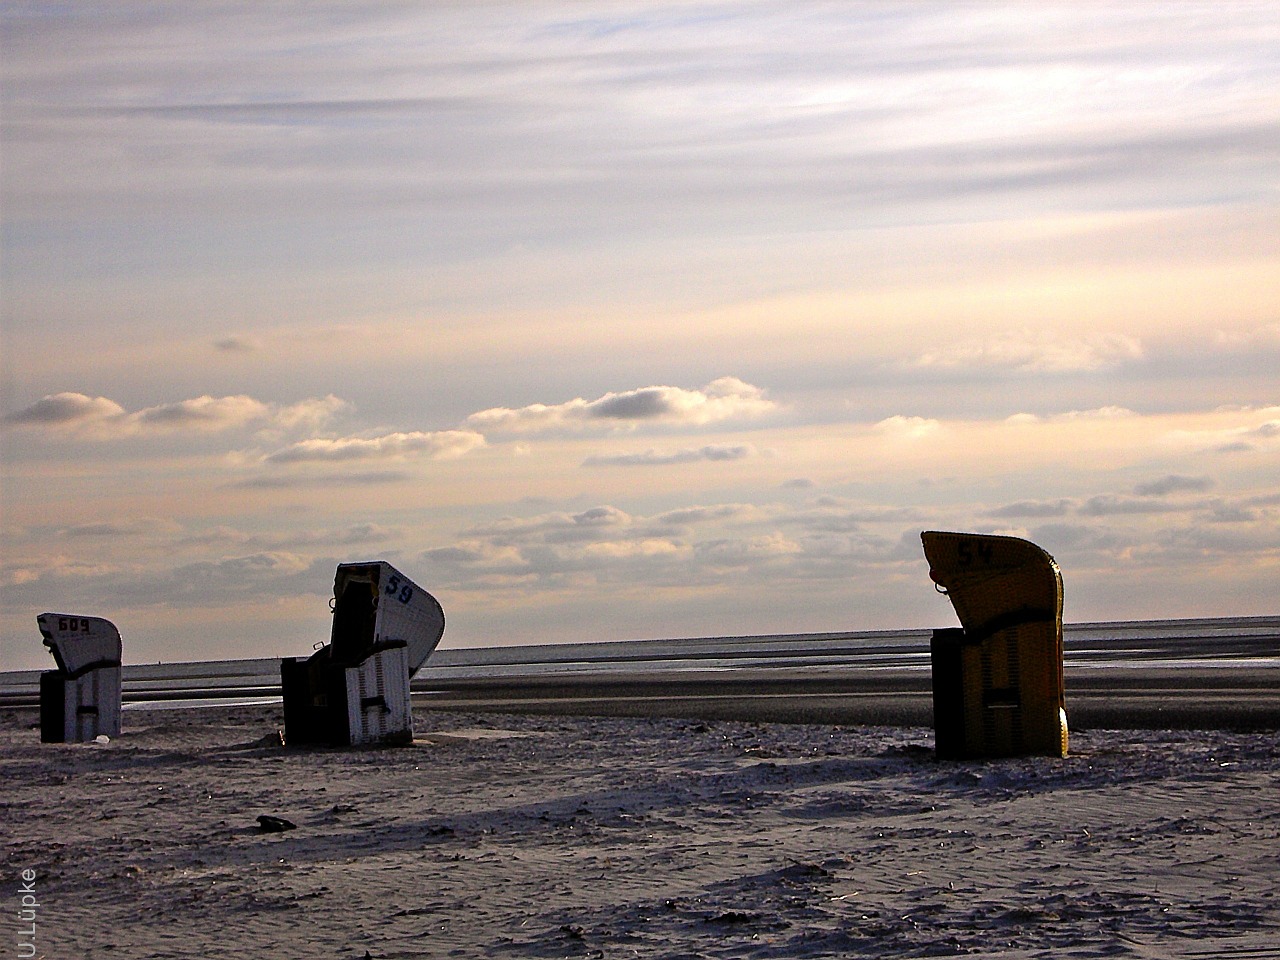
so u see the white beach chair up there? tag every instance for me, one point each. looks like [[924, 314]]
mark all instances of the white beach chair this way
[[80, 701], [355, 689]]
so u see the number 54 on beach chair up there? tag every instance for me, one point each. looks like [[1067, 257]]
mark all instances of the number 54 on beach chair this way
[[997, 681]]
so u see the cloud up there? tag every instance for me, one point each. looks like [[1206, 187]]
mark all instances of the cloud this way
[[688, 516], [1081, 537], [237, 344], [66, 410], [907, 428], [1236, 439], [1257, 339], [312, 413], [691, 548], [595, 523], [265, 576], [648, 547], [561, 551], [1096, 413], [723, 399], [440, 445], [741, 551], [832, 515], [1173, 483], [202, 413], [1035, 353], [99, 418], [479, 554], [134, 527], [1105, 505], [1032, 508], [255, 574], [1195, 542], [370, 478], [71, 570], [717, 453], [602, 543], [355, 535], [1233, 513]]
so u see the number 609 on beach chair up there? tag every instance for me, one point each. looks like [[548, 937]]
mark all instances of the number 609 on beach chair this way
[[997, 681]]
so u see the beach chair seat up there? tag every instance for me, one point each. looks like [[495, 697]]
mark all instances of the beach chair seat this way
[[998, 681]]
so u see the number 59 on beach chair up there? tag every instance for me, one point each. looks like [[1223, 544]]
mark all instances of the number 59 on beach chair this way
[[997, 681]]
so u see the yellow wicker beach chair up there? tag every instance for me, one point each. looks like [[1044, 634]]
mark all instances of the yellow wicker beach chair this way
[[998, 687]]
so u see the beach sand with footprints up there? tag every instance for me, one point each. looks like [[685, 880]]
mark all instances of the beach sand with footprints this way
[[501, 835]]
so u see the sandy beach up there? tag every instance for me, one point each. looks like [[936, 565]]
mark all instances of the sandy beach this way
[[501, 835]]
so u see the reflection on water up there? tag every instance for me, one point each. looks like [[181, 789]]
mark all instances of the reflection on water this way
[[1227, 642]]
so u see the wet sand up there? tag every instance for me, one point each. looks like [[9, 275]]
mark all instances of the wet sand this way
[[1226, 697], [517, 835]]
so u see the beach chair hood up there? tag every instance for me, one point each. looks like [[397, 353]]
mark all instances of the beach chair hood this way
[[376, 607], [80, 644]]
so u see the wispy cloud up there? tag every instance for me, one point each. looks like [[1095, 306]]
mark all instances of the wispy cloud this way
[[311, 480], [718, 513], [1097, 413], [714, 453], [1106, 505], [1173, 483], [439, 445], [1032, 509], [237, 344], [1027, 352], [600, 522], [1260, 432], [122, 528]]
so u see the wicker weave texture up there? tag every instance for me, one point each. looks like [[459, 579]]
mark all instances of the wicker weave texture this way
[[1007, 593]]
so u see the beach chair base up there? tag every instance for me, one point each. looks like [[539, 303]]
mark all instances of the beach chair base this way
[[978, 701], [339, 705], [377, 699], [79, 709]]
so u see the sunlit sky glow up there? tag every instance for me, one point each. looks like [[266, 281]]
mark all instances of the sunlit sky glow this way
[[610, 321]]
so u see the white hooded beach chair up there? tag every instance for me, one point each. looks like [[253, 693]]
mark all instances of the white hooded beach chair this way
[[355, 689], [80, 701]]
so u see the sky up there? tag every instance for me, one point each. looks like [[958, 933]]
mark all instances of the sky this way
[[610, 321]]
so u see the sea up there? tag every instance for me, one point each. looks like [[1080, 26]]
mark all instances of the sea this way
[[1227, 642]]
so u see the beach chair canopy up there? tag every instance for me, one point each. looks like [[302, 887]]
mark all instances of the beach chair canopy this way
[[80, 643]]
